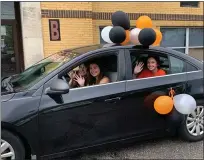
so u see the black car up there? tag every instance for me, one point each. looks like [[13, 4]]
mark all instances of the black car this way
[[43, 116]]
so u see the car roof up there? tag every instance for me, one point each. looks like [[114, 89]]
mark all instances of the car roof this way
[[152, 48], [106, 47], [102, 47]]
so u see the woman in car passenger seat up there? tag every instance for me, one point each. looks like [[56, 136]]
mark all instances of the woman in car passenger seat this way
[[80, 78], [97, 74], [152, 68]]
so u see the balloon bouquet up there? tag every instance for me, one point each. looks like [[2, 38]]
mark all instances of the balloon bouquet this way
[[175, 107], [120, 32], [183, 103]]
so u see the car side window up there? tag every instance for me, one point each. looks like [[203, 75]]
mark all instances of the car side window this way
[[95, 71], [190, 67], [177, 65], [160, 62]]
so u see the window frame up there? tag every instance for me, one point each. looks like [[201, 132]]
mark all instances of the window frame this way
[[120, 68], [108, 54], [188, 32], [189, 4], [156, 52], [187, 37], [152, 82]]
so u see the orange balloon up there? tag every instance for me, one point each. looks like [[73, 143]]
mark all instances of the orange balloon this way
[[163, 104], [158, 37], [127, 39], [144, 22]]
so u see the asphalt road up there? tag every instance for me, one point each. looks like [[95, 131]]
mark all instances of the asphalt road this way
[[171, 148]]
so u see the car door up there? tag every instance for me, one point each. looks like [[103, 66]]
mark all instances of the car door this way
[[195, 80], [88, 115], [141, 93]]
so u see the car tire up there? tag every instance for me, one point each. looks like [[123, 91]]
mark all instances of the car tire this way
[[14, 145], [184, 130]]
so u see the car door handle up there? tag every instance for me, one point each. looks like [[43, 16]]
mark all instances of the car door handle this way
[[113, 99]]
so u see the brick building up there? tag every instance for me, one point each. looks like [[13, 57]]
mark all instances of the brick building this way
[[80, 23]]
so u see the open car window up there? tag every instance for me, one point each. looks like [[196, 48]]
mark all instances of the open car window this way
[[137, 56], [108, 67]]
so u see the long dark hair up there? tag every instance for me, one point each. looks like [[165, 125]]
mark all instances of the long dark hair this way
[[156, 59], [88, 75], [93, 80]]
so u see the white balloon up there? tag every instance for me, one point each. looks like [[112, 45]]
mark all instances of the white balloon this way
[[134, 33], [105, 34], [184, 103]]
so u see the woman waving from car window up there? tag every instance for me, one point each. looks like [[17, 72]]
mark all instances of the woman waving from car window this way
[[152, 69]]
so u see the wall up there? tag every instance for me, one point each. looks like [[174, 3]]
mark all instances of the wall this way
[[196, 53], [147, 7], [84, 30], [74, 31], [31, 32]]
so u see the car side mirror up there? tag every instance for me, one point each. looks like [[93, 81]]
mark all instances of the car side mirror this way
[[58, 87]]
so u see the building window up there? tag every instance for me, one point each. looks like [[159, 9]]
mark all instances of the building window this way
[[196, 37], [173, 37], [8, 11], [189, 4], [101, 39], [186, 40]]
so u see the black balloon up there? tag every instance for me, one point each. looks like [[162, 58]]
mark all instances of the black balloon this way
[[174, 118], [150, 99], [121, 19], [117, 34], [147, 36]]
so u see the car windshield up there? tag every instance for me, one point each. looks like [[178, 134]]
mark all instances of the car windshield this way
[[38, 71]]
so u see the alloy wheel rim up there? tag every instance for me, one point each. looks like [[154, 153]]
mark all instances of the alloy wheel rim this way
[[194, 121], [7, 151]]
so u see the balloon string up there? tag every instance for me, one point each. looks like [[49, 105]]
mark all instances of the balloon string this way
[[171, 93]]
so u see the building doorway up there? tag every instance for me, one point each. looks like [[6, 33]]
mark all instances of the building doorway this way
[[11, 44]]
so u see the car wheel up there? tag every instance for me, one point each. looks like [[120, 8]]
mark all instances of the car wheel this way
[[11, 147], [192, 128]]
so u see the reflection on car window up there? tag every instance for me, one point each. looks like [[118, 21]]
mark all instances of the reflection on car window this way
[[41, 69], [190, 67], [177, 65]]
